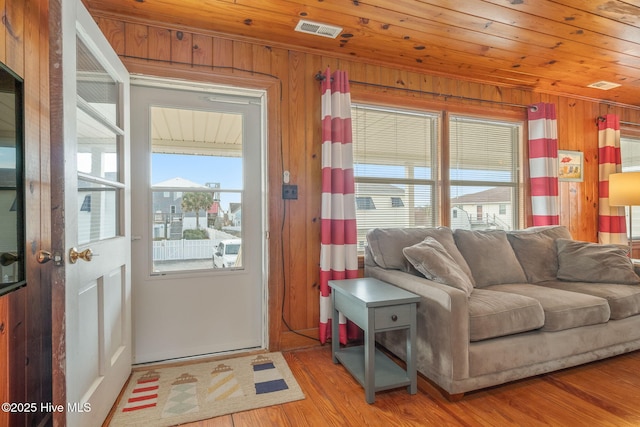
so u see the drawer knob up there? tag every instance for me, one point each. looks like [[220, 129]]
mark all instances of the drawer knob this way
[[394, 317]]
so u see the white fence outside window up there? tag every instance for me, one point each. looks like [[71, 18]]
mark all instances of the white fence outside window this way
[[169, 250]]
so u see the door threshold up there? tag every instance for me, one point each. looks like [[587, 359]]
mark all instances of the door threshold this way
[[201, 358]]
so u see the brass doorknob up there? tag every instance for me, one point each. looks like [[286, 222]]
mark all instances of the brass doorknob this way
[[85, 255], [43, 257]]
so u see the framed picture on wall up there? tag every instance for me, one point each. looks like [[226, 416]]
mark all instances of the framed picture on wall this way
[[570, 166]]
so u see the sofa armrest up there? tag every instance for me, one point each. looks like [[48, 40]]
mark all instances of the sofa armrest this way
[[442, 327]]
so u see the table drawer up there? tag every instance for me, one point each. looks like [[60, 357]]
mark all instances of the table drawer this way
[[392, 316]]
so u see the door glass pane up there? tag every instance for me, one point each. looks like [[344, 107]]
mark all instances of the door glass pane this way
[[97, 148], [98, 153], [97, 211], [95, 85], [196, 189]]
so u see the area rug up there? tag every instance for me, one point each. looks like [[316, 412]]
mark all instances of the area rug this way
[[175, 395]]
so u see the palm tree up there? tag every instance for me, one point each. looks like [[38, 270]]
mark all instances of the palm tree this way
[[194, 202]]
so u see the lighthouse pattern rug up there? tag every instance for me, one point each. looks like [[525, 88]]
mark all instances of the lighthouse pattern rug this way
[[175, 395]]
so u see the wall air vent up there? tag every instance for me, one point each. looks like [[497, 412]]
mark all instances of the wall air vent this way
[[318, 29], [603, 85]]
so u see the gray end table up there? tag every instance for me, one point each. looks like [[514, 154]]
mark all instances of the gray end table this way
[[375, 306]]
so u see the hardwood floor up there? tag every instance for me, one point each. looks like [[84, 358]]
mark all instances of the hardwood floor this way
[[603, 393]]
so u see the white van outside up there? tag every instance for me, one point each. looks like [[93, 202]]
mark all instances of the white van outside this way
[[226, 253]]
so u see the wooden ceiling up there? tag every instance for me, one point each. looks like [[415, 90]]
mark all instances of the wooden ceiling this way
[[553, 46]]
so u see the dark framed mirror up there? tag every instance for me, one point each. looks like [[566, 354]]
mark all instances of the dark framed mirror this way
[[12, 218]]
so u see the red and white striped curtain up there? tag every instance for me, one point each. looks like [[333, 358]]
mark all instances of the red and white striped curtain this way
[[611, 219], [543, 163], [338, 250]]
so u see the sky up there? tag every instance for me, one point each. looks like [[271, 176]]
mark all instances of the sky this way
[[199, 169]]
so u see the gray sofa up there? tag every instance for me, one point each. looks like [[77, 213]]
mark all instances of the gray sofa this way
[[500, 306]]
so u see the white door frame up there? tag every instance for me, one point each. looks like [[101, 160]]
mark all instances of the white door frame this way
[[140, 215]]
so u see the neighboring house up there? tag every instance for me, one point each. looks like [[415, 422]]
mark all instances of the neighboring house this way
[[235, 214], [490, 208], [215, 210], [460, 218], [169, 219], [380, 205]]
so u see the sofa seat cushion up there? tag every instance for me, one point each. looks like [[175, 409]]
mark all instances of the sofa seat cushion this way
[[489, 256], [494, 314], [386, 244], [535, 248], [624, 300], [562, 309]]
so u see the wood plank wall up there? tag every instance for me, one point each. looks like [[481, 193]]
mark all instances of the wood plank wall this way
[[4, 358], [25, 341], [168, 47]]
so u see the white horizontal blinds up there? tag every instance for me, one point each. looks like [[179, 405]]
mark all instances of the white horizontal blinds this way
[[394, 165], [630, 152], [483, 173], [387, 141]]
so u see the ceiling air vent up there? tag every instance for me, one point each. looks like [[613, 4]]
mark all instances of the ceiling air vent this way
[[318, 29], [603, 85]]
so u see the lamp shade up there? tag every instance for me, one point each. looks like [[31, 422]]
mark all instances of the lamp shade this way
[[624, 189]]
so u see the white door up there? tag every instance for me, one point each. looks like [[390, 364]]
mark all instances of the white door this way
[[198, 222], [97, 217]]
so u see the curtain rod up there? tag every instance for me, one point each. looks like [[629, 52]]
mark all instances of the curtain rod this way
[[320, 77], [602, 119]]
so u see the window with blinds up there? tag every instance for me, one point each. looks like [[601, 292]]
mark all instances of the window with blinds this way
[[395, 166], [630, 153], [483, 173], [396, 170]]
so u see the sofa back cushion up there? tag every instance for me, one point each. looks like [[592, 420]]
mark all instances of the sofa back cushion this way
[[535, 248], [596, 263], [386, 245], [489, 256], [431, 259]]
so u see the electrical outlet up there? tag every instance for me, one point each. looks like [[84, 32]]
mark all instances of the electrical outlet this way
[[290, 192]]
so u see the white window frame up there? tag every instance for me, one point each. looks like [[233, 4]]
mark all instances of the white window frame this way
[[634, 167], [408, 180], [515, 184], [440, 141]]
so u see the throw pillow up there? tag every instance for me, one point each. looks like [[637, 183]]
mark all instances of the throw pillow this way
[[386, 246], [535, 248], [595, 263], [430, 258], [490, 257]]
